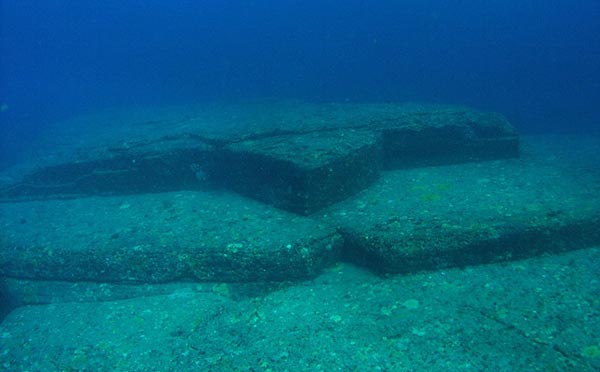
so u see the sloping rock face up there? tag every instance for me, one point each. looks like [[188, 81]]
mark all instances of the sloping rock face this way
[[169, 164], [299, 157]]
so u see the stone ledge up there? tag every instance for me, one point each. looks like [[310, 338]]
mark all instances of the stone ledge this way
[[156, 238], [302, 173], [437, 217], [296, 157]]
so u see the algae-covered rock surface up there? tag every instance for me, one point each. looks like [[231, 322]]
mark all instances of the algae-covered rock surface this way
[[435, 217], [532, 315], [161, 237], [409, 220], [319, 237]]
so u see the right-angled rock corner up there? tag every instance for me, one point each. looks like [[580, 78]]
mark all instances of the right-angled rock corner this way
[[300, 158], [303, 173]]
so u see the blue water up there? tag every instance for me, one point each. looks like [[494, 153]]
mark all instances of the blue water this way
[[537, 62], [356, 240]]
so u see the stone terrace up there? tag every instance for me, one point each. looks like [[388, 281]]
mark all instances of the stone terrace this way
[[280, 192]]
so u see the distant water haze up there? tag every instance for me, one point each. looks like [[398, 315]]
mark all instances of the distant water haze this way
[[537, 62]]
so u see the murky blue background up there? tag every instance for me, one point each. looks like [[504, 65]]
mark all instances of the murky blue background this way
[[536, 61]]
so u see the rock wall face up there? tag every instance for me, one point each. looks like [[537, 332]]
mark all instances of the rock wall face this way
[[298, 158]]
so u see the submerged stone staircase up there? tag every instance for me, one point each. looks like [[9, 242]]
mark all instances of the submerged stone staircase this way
[[278, 192]]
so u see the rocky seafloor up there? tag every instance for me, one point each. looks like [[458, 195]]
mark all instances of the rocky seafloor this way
[[302, 237]]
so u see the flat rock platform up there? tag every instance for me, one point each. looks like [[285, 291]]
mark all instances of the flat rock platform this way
[[435, 217], [538, 314]]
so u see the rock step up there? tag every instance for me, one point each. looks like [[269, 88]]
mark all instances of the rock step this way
[[539, 312], [409, 220], [437, 217], [302, 173], [299, 158], [162, 237]]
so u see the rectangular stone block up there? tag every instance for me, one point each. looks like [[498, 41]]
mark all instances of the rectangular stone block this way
[[448, 137], [161, 237], [305, 172]]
